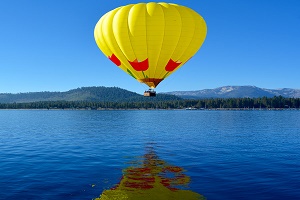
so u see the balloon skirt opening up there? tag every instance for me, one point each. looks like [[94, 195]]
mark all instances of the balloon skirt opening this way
[[151, 82]]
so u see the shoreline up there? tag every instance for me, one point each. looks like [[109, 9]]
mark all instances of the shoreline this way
[[135, 109]]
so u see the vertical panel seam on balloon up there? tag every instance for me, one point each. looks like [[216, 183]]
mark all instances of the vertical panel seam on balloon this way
[[119, 46], [129, 34], [146, 35], [163, 19], [177, 40], [194, 21], [101, 33]]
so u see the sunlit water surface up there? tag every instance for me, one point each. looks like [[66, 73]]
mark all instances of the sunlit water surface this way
[[159, 154]]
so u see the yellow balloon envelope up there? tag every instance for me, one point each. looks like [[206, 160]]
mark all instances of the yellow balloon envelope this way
[[150, 41]]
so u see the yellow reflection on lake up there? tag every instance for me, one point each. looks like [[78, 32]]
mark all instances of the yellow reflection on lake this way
[[151, 178]]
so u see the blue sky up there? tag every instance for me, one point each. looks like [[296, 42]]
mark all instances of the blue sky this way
[[49, 46]]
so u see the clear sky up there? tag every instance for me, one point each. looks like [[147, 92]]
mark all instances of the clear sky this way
[[49, 46]]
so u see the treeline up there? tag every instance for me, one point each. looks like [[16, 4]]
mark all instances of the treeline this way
[[213, 103], [85, 94]]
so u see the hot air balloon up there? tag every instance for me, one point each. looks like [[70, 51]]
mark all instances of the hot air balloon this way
[[150, 41]]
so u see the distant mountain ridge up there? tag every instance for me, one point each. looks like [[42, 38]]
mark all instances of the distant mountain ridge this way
[[115, 94], [237, 92], [92, 94]]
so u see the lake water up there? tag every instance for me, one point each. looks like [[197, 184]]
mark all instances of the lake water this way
[[161, 154]]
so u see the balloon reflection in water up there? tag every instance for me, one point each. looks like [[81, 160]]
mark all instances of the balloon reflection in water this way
[[152, 178]]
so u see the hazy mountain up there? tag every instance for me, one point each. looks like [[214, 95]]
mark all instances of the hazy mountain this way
[[112, 94], [237, 91], [115, 94]]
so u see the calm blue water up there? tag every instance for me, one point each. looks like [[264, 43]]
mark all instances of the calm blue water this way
[[79, 154]]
